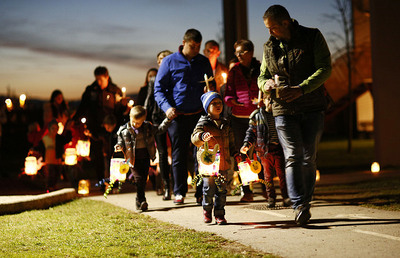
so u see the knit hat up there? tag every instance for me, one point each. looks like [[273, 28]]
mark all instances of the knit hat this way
[[207, 97]]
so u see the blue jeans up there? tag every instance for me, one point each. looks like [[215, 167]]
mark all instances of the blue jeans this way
[[210, 190], [299, 136], [180, 132]]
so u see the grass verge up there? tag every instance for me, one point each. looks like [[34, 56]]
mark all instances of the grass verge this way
[[381, 193], [87, 228]]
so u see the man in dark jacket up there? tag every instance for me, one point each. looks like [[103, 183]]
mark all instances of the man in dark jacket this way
[[296, 62], [100, 99]]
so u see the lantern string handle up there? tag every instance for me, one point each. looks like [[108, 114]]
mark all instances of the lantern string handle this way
[[122, 153]]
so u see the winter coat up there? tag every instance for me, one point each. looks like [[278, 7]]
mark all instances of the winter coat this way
[[127, 138], [222, 135]]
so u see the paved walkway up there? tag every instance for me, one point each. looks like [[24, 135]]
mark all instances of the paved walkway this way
[[335, 229]]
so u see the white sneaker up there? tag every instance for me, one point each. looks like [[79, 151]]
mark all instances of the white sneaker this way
[[179, 199]]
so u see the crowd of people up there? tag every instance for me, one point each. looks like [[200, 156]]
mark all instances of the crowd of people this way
[[273, 109]]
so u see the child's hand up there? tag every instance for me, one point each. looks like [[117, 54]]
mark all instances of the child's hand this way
[[206, 136], [117, 148], [87, 133], [244, 149]]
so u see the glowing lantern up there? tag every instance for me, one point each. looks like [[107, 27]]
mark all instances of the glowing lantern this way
[[22, 99], [60, 128], [211, 169], [83, 148], [189, 179], [118, 169], [317, 175], [83, 187], [70, 156], [130, 103], [83, 120], [246, 174], [123, 89], [9, 104], [375, 168], [224, 75], [31, 165]]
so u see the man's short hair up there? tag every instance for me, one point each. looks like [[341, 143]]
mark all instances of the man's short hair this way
[[245, 43], [277, 13], [100, 70], [213, 43], [192, 34], [138, 112]]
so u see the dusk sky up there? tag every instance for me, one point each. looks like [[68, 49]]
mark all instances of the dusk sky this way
[[48, 44]]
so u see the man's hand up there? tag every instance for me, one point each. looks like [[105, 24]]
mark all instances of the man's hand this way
[[290, 93], [269, 85], [171, 113]]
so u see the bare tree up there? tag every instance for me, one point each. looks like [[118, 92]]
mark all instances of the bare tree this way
[[343, 16]]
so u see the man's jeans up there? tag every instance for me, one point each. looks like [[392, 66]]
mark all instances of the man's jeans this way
[[299, 136]]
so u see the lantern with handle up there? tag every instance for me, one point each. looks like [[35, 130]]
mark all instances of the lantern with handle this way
[[118, 169], [83, 187], [31, 167], [208, 160], [248, 170], [70, 157], [83, 148]]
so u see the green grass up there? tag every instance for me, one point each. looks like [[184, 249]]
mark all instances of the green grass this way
[[381, 194], [87, 228], [334, 155]]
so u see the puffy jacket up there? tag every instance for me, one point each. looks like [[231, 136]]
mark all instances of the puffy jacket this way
[[223, 135], [237, 88], [127, 138], [305, 61]]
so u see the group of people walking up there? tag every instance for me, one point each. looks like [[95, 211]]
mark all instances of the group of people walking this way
[[275, 109]]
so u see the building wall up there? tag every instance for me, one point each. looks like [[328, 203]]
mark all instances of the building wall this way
[[385, 38]]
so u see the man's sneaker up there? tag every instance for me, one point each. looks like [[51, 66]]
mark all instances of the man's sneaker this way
[[220, 220], [144, 206], [207, 216], [303, 215], [271, 203], [247, 197], [287, 202], [178, 199]]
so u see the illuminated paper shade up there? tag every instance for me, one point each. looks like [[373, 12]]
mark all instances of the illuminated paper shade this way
[[70, 156], [83, 148], [83, 187], [31, 165], [212, 169], [115, 169], [246, 175]]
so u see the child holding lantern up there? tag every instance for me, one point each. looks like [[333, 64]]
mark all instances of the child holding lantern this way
[[215, 130], [262, 132], [136, 140]]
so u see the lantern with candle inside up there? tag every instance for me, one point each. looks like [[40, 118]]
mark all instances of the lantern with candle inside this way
[[70, 157], [118, 169], [375, 168], [246, 173], [83, 187], [31, 166], [208, 160], [83, 148]]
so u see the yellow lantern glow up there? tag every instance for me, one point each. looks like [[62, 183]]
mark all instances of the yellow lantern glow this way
[[212, 169], [246, 175], [375, 168], [317, 175], [9, 104], [115, 169], [83, 187], [123, 89], [31, 166], [70, 156], [189, 179], [130, 103], [224, 76], [83, 148], [22, 99]]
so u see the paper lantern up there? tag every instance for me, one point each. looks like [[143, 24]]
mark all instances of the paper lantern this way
[[246, 174], [118, 169], [83, 148], [375, 168], [212, 169], [31, 165], [70, 156], [83, 187]]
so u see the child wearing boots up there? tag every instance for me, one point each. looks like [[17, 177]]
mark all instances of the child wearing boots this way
[[262, 132], [136, 140], [214, 129]]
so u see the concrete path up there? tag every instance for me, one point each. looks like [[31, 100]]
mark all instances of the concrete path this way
[[335, 230]]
